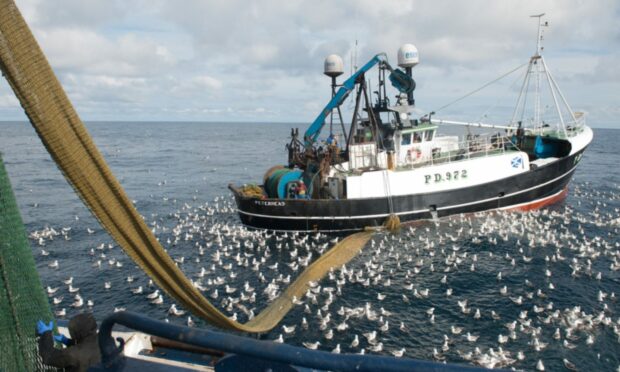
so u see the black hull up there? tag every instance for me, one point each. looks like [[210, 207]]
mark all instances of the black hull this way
[[535, 186]]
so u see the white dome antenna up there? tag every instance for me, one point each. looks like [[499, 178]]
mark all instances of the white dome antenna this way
[[333, 66], [408, 56]]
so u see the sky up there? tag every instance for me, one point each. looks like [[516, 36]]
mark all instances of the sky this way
[[199, 60]]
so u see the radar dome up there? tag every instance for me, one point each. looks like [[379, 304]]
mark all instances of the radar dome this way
[[408, 56], [333, 65]]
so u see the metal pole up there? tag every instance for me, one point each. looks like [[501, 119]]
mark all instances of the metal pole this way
[[467, 124], [570, 110], [524, 86], [555, 100]]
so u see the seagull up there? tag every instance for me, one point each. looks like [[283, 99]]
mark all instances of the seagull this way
[[337, 349], [57, 300], [398, 353], [158, 301], [330, 334], [355, 342], [377, 348], [477, 314], [61, 313], [174, 311], [502, 339], [280, 339], [288, 330], [370, 336], [540, 366], [72, 289], [311, 345], [53, 264], [79, 302], [68, 281], [107, 285], [470, 337], [569, 365], [153, 295], [51, 290], [137, 290]]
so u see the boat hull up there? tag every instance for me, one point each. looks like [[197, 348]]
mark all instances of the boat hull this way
[[538, 187]]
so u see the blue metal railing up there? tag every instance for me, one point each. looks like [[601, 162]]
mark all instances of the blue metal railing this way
[[250, 349]]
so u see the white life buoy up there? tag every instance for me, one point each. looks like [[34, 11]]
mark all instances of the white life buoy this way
[[414, 154]]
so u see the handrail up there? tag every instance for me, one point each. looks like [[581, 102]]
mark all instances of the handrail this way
[[479, 146], [111, 355]]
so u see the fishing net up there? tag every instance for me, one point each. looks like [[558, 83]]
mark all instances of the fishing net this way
[[68, 142], [254, 191], [22, 299], [392, 223]]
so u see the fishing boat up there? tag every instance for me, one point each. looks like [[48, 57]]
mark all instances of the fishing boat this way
[[392, 162]]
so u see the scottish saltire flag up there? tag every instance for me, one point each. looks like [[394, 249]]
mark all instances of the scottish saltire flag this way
[[517, 162]]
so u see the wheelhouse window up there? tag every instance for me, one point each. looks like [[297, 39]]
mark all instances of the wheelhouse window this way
[[406, 139], [428, 135], [417, 137]]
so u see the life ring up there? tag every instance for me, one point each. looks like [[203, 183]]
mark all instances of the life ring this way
[[414, 154]]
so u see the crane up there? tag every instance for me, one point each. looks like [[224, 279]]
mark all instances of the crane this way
[[401, 81]]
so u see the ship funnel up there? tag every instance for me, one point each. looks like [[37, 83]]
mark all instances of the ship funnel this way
[[333, 66], [408, 56]]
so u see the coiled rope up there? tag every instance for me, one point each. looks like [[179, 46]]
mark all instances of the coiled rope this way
[[64, 135]]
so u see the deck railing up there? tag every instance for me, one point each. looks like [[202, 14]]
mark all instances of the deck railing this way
[[473, 147], [570, 129]]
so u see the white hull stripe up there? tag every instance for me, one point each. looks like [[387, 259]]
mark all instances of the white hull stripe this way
[[411, 212], [496, 209]]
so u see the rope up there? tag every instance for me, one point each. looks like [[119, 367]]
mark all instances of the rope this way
[[392, 223], [479, 89], [68, 142]]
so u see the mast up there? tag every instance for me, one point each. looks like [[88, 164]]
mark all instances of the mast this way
[[535, 58]]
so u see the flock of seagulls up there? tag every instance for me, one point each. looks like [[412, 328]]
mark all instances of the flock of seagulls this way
[[499, 290]]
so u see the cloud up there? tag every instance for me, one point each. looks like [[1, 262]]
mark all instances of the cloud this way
[[8, 100], [215, 60]]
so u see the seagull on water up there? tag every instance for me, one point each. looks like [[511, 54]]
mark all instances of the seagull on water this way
[[398, 353], [311, 345]]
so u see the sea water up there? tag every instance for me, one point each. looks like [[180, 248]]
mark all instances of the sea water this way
[[558, 264]]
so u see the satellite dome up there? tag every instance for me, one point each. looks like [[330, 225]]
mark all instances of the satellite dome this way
[[333, 65], [408, 56]]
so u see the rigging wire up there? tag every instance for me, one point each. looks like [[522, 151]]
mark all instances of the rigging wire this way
[[479, 89], [484, 114]]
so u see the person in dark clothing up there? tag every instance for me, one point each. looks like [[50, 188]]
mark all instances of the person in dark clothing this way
[[82, 349]]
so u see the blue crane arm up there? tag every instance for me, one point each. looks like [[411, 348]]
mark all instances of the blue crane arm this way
[[312, 133]]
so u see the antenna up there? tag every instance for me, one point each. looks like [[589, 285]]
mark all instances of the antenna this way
[[355, 58], [539, 46]]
